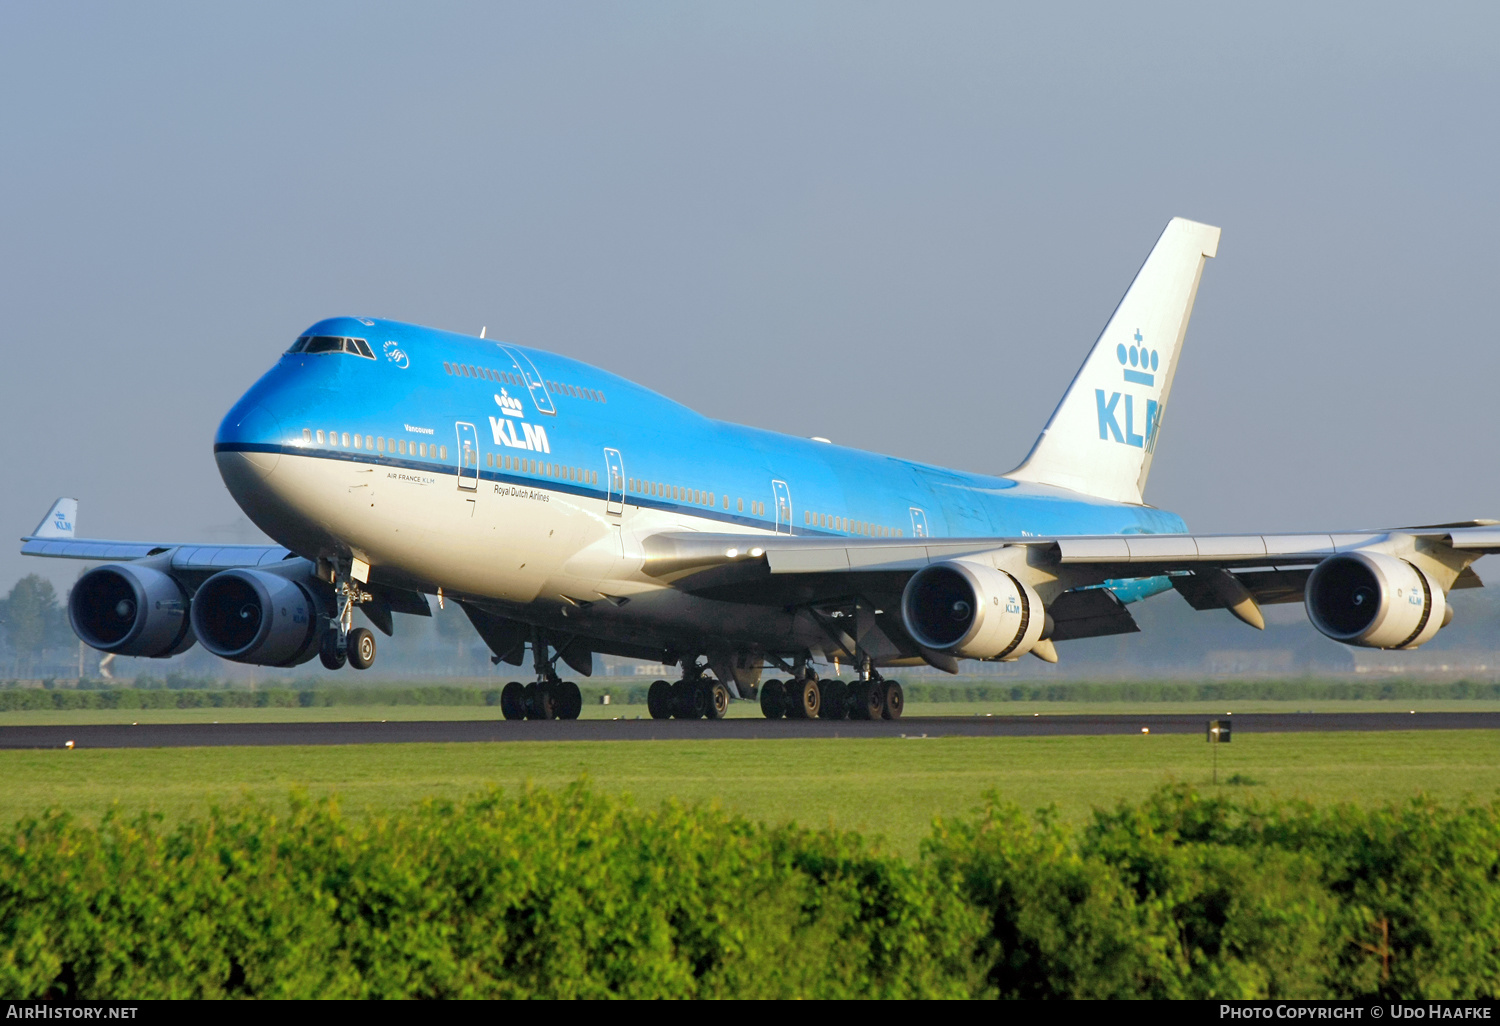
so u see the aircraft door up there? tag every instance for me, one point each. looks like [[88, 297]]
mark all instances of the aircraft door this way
[[534, 383], [919, 523], [468, 457], [783, 507], [614, 469]]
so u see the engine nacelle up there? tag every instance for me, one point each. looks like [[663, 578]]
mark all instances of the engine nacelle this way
[[131, 610], [1374, 600], [253, 616], [971, 610]]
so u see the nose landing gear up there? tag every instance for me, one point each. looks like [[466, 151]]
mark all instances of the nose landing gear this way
[[342, 641]]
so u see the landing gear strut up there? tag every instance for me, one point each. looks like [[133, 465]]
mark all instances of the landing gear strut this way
[[341, 640], [548, 697]]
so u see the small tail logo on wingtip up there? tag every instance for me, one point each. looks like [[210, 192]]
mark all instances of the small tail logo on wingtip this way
[[61, 522]]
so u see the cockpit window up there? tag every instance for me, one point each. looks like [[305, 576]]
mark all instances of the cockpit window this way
[[311, 344]]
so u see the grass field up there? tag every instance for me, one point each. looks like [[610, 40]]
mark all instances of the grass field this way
[[889, 787], [342, 713]]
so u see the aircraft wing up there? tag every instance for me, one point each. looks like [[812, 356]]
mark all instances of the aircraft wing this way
[[55, 537], [1084, 580], [685, 557]]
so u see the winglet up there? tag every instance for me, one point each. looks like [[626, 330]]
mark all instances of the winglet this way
[[59, 521]]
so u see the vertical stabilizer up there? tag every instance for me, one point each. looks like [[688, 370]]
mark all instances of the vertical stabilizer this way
[[1102, 435]]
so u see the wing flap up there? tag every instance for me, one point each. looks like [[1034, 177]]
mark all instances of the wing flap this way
[[1089, 613]]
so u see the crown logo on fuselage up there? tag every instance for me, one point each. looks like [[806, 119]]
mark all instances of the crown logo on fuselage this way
[[510, 405], [1138, 356]]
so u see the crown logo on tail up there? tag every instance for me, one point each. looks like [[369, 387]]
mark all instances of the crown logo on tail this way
[[1138, 356]]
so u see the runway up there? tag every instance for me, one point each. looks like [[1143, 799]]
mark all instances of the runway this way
[[216, 735]]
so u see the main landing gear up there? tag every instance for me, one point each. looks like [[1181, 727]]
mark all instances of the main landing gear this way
[[341, 640], [807, 698], [548, 698], [695, 697]]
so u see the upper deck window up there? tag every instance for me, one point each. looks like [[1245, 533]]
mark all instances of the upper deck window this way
[[312, 344]]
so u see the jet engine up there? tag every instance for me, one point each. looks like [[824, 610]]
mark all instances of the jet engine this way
[[254, 616], [972, 611], [1374, 600], [132, 610]]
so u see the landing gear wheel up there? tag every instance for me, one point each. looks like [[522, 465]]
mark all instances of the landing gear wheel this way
[[513, 701], [835, 699], [570, 703], [772, 700], [330, 652], [693, 700], [866, 700], [718, 700], [895, 700], [545, 703], [805, 699], [361, 649], [659, 700]]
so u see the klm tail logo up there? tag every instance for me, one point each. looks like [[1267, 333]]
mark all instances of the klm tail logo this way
[[62, 523], [1138, 356], [1140, 366]]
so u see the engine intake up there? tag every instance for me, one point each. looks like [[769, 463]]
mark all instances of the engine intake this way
[[131, 610], [1374, 600], [971, 610], [251, 616]]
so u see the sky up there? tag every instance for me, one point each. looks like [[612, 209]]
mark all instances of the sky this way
[[898, 226]]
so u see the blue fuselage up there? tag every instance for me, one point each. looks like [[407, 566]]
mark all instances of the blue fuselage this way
[[537, 418]]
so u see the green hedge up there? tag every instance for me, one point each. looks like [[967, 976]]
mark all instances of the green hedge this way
[[575, 894]]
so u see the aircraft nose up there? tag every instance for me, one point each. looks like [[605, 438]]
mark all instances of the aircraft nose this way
[[254, 433]]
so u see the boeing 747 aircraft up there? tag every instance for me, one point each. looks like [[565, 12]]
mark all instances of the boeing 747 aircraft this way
[[571, 512]]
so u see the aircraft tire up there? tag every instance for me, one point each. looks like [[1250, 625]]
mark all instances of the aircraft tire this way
[[718, 700], [895, 700], [544, 705], [858, 702], [805, 699], [361, 649], [329, 653], [693, 701], [513, 701], [772, 700], [659, 700], [571, 706], [835, 705]]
